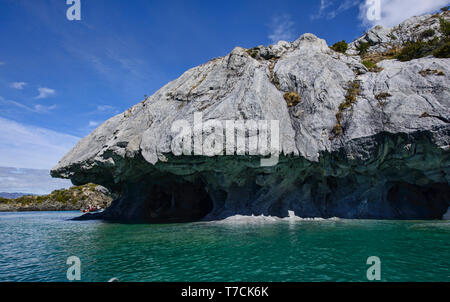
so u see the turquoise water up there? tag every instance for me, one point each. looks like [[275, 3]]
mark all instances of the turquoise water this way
[[35, 247]]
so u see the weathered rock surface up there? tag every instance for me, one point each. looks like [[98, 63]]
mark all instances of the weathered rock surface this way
[[382, 39], [391, 159]]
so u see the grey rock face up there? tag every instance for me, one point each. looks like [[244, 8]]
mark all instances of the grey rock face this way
[[391, 159], [382, 39]]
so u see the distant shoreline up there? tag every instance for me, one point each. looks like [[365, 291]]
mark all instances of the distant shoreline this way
[[72, 199]]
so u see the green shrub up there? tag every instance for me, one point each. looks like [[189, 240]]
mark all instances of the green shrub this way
[[371, 66], [445, 8], [340, 46], [416, 50], [427, 34], [445, 27], [443, 51], [363, 48], [253, 52]]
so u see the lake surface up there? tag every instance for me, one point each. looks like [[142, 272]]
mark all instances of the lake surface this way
[[35, 247]]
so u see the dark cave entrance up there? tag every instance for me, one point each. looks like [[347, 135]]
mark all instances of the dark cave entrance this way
[[419, 202], [177, 202]]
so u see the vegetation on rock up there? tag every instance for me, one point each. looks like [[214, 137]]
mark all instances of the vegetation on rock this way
[[427, 72], [363, 47], [382, 96], [372, 66], [74, 198], [340, 46], [292, 98], [439, 48], [353, 90]]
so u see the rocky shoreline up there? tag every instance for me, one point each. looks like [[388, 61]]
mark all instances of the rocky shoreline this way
[[72, 199]]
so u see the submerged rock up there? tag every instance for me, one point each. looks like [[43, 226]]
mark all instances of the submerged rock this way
[[355, 144]]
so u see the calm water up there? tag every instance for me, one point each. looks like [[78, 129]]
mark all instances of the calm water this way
[[35, 247]]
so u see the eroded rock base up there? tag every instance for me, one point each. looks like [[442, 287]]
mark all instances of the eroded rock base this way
[[396, 177]]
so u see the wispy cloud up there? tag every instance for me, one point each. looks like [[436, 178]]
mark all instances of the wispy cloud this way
[[329, 9], [93, 124], [45, 92], [2, 63], [26, 146], [18, 85], [324, 4], [37, 108], [281, 28], [394, 12], [33, 181], [106, 108]]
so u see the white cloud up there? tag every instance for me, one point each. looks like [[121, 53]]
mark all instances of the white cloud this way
[[329, 9], [106, 108], [2, 63], [18, 85], [324, 4], [25, 146], [43, 108], [45, 92], [281, 28], [15, 180], [93, 124], [38, 108], [393, 12]]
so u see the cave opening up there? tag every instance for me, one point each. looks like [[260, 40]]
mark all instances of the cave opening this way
[[419, 202], [176, 202]]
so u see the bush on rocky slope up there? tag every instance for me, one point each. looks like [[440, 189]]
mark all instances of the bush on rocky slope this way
[[439, 48], [442, 51], [340, 46], [363, 48]]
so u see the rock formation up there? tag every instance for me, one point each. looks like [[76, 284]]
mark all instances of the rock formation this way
[[354, 144]]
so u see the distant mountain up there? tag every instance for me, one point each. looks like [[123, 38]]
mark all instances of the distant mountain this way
[[13, 195]]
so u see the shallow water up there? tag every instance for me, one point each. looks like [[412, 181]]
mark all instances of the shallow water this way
[[35, 247]]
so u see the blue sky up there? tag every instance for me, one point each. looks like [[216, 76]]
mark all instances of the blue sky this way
[[60, 79]]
